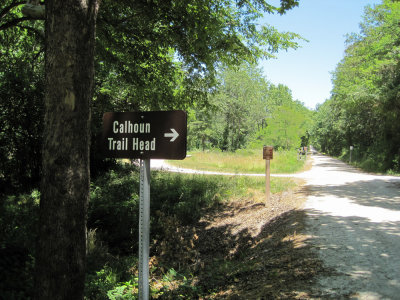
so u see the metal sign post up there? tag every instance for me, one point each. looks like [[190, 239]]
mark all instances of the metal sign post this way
[[144, 229], [351, 150]]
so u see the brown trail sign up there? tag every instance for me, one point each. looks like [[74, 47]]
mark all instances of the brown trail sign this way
[[144, 135]]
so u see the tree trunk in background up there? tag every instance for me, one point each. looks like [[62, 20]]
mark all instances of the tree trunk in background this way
[[61, 250]]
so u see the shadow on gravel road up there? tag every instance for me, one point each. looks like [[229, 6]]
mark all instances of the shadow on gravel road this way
[[383, 193], [338, 166], [363, 253]]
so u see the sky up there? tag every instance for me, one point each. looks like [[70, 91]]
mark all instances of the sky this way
[[325, 24]]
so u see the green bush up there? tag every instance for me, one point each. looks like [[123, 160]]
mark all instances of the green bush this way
[[184, 196], [18, 233], [114, 204], [113, 208]]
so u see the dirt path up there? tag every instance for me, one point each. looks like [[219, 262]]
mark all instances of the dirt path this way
[[354, 223]]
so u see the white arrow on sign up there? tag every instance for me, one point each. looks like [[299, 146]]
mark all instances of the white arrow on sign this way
[[173, 135]]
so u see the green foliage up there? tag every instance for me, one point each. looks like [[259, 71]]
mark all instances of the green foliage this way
[[365, 108], [21, 109], [149, 55], [240, 106], [287, 121], [98, 285], [108, 284], [184, 196], [327, 133], [113, 208], [287, 128], [165, 54], [248, 110], [114, 205], [113, 230], [113, 219], [18, 233]]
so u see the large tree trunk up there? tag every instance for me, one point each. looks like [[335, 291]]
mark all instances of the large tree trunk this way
[[61, 251]]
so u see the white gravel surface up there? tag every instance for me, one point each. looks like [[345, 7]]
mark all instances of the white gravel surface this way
[[354, 221]]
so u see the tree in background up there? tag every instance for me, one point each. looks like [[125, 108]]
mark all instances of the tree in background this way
[[201, 135], [21, 108], [286, 127], [247, 110], [288, 121], [365, 105], [327, 130], [240, 106], [166, 54]]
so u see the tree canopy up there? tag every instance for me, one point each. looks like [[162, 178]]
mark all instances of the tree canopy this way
[[167, 53], [149, 55], [248, 111], [364, 109]]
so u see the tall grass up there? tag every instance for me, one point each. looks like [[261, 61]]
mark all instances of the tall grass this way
[[242, 161]]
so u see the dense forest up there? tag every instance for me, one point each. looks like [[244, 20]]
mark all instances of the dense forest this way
[[247, 111], [364, 109]]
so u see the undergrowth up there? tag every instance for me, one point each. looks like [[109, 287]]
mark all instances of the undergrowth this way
[[177, 201]]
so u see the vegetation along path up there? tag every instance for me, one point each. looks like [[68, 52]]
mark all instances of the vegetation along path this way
[[353, 224]]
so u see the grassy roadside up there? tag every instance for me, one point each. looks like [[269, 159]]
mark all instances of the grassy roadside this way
[[242, 161]]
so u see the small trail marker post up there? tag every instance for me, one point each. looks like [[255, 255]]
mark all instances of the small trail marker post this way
[[268, 154], [144, 135], [305, 151], [351, 150]]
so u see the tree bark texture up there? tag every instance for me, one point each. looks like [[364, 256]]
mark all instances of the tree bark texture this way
[[61, 249]]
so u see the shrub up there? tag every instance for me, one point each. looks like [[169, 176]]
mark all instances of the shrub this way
[[18, 232]]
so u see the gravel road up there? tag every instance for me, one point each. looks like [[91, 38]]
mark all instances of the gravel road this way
[[354, 224]]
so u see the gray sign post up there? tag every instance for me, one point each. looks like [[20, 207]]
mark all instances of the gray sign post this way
[[144, 135], [351, 150], [144, 228]]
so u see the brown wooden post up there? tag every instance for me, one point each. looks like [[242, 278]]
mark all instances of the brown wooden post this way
[[268, 153], [267, 180], [305, 151]]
